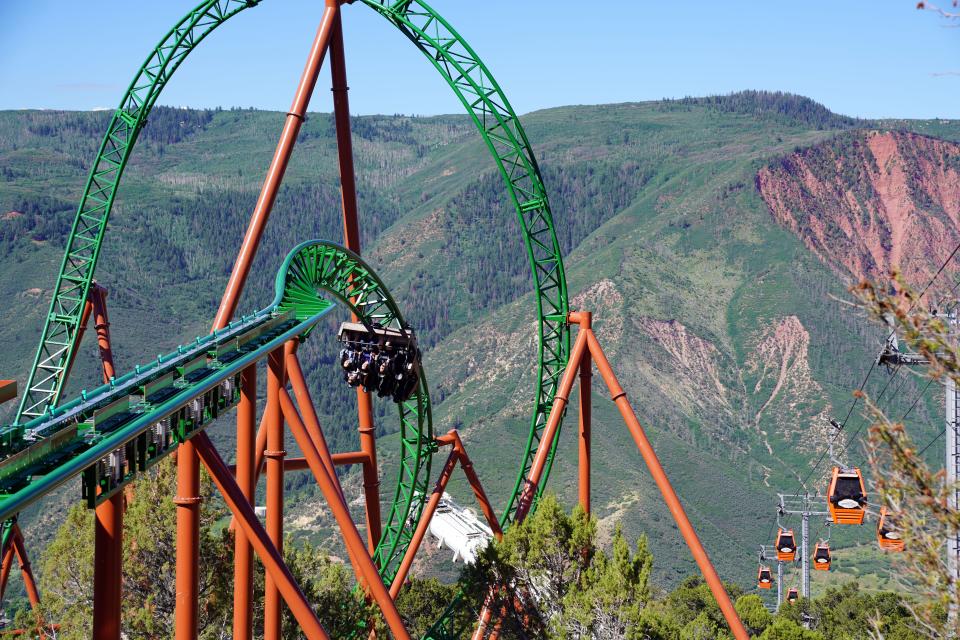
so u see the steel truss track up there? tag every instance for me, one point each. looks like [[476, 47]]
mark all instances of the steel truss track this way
[[500, 129], [59, 338], [39, 458], [321, 265]]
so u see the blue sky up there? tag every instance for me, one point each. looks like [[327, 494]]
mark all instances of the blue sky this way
[[869, 59]]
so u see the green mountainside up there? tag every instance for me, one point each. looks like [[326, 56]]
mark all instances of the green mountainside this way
[[730, 335]]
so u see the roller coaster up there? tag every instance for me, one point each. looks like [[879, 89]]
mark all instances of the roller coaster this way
[[111, 435]]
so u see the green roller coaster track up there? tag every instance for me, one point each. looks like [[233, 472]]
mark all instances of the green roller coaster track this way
[[31, 466], [497, 124], [343, 274]]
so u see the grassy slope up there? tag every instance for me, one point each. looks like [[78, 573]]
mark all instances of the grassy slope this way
[[689, 241]]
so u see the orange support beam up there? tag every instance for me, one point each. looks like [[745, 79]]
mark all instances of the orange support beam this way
[[619, 396], [423, 524], [243, 552], [585, 320], [560, 401], [188, 542], [311, 421], [274, 454], [81, 330], [108, 568], [5, 566], [363, 563], [278, 167], [351, 238], [101, 323], [8, 390], [269, 555]]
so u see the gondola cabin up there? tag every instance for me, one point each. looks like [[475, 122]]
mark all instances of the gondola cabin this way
[[792, 596], [889, 535], [786, 545], [764, 578], [847, 499], [821, 557]]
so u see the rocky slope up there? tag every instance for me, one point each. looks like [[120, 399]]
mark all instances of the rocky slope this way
[[870, 202]]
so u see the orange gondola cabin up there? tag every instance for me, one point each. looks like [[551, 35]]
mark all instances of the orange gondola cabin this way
[[889, 535], [786, 545], [821, 557], [792, 596], [847, 499], [764, 578]]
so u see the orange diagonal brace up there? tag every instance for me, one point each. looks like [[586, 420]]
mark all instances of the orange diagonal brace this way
[[257, 535], [17, 548], [364, 563], [560, 402], [5, 566], [312, 425], [666, 489], [424, 523], [101, 323], [278, 166], [458, 453], [310, 418]]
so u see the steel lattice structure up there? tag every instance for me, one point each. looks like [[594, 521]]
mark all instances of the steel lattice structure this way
[[114, 433]]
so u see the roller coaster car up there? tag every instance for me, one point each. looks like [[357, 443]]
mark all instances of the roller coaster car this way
[[821, 557], [764, 578], [786, 545], [847, 498], [889, 536], [383, 360], [792, 596]]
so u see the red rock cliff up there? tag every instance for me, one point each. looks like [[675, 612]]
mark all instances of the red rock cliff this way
[[868, 202]]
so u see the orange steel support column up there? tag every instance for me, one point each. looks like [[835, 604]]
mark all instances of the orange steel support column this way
[[278, 166], [367, 570], [272, 618], [29, 582], [247, 521], [101, 323], [467, 465], [5, 566], [560, 401], [188, 542], [424, 522], [81, 330], [585, 320], [310, 418], [243, 552], [108, 568], [351, 238], [666, 489]]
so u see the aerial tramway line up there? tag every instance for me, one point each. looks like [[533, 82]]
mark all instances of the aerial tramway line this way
[[846, 495]]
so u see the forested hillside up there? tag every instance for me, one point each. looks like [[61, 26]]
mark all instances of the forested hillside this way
[[727, 326]]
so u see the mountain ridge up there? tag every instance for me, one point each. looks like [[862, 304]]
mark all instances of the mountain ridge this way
[[662, 228]]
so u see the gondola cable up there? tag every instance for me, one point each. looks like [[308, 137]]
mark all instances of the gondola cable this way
[[840, 426]]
